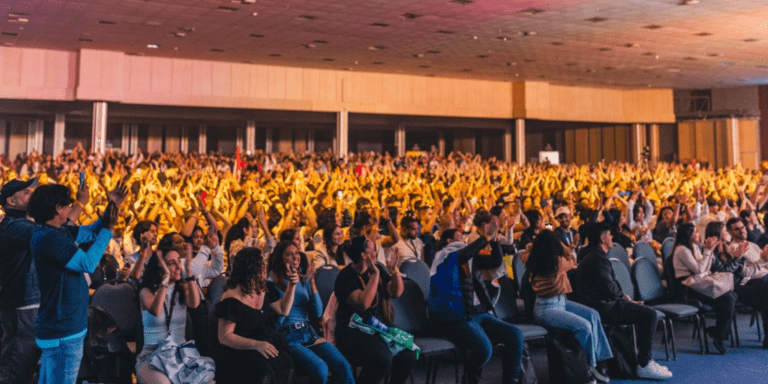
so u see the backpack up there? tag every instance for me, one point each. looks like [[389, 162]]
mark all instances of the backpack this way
[[568, 363], [623, 365]]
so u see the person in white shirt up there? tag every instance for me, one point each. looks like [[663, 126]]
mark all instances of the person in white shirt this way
[[409, 246]]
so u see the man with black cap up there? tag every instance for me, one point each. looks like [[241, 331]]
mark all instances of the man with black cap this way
[[19, 292]]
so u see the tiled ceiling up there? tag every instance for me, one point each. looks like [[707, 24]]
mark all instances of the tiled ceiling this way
[[627, 43]]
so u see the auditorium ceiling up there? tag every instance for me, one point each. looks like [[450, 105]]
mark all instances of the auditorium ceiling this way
[[607, 43]]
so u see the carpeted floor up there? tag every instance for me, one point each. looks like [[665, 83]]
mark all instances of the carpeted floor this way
[[747, 364]]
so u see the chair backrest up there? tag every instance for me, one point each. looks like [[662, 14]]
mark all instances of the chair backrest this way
[[643, 250], [506, 306], [410, 308], [122, 303], [325, 279], [618, 252], [622, 275], [518, 268], [648, 280], [216, 288], [418, 271], [667, 247]]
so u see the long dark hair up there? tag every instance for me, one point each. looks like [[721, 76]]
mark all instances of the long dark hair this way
[[246, 271], [545, 254], [276, 264], [445, 236], [237, 232], [714, 228], [338, 255], [154, 275], [685, 236]]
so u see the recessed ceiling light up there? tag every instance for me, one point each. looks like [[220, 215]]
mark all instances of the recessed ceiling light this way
[[510, 63], [320, 42], [689, 58], [631, 45], [557, 43], [688, 2], [590, 70], [596, 19], [463, 2], [153, 46], [527, 33], [382, 25], [186, 29], [529, 60], [445, 32], [571, 64], [532, 11], [180, 34], [609, 68], [751, 40], [107, 22], [409, 16], [227, 9], [673, 70], [714, 54], [725, 63], [248, 1], [378, 63], [307, 17], [217, 50], [256, 35], [329, 59], [417, 55], [151, 23], [604, 49], [423, 66], [502, 38], [702, 34], [648, 54], [653, 26], [85, 40], [466, 70], [274, 55], [482, 56], [434, 51]]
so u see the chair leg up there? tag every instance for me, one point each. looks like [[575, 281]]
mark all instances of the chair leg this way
[[456, 361], [735, 332], [671, 326], [703, 335], [664, 337], [757, 322]]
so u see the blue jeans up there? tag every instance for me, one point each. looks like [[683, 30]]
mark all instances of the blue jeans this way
[[60, 364], [318, 358], [476, 334], [584, 322]]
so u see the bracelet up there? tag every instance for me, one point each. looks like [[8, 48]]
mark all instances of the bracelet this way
[[190, 279], [80, 204]]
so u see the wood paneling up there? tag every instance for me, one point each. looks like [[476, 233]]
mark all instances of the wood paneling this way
[[704, 131], [581, 152], [622, 143], [570, 146], [723, 149], [595, 145], [608, 143], [749, 139], [686, 140]]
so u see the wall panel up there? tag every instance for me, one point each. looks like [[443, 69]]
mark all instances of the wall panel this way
[[686, 140], [609, 143], [582, 146]]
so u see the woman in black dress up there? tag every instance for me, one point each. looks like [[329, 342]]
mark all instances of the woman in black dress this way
[[252, 351]]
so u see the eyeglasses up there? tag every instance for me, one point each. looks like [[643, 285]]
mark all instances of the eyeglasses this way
[[739, 228]]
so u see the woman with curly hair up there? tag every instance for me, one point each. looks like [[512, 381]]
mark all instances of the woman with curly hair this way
[[252, 351]]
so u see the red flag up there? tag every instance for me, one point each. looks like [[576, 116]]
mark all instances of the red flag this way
[[239, 163]]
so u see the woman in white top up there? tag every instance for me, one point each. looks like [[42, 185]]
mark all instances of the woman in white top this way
[[330, 251], [688, 262], [164, 298]]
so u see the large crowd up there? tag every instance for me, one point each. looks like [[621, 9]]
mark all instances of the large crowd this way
[[168, 224]]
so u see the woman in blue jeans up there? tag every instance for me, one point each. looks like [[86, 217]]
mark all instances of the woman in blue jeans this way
[[548, 264], [316, 355]]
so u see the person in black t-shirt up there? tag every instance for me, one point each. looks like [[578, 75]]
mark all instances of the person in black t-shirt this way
[[364, 288]]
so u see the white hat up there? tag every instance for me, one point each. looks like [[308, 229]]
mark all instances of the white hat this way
[[562, 210]]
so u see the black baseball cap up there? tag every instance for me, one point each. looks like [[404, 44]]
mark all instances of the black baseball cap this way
[[10, 188]]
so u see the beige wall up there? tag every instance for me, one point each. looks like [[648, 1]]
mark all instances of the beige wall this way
[[117, 77], [715, 140]]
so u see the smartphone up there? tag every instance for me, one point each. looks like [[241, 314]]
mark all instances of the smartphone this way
[[339, 194], [82, 178]]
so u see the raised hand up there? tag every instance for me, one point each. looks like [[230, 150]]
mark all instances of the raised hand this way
[[212, 239], [83, 194], [394, 260], [710, 242], [292, 274], [118, 194]]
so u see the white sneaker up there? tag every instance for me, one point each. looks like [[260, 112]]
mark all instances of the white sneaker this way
[[657, 365], [653, 371]]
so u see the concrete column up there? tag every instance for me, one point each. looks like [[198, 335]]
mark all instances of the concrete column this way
[[520, 140], [400, 139], [733, 135], [250, 137], [35, 136], [268, 146], [3, 137], [59, 128], [508, 145], [653, 142], [637, 142], [99, 127], [184, 144], [310, 140], [134, 146], [155, 138], [125, 141], [342, 133], [441, 143], [202, 143], [240, 138]]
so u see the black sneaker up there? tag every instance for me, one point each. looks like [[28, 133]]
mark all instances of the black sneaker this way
[[717, 341]]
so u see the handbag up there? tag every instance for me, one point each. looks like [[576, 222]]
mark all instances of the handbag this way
[[712, 285], [182, 363]]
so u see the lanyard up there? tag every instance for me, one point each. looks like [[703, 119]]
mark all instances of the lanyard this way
[[168, 315]]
